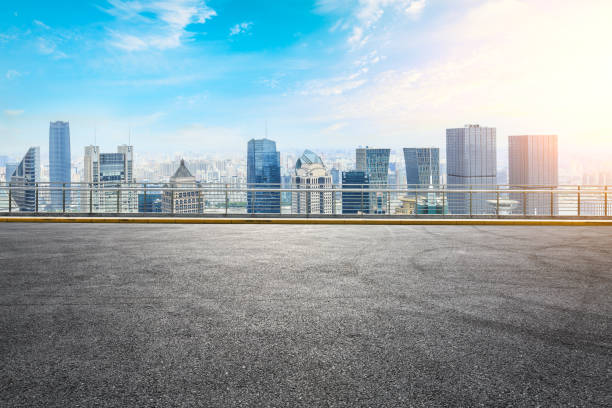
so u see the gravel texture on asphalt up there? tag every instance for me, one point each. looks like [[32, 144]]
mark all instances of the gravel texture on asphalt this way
[[304, 315]]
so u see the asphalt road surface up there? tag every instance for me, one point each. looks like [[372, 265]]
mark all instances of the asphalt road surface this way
[[299, 315]]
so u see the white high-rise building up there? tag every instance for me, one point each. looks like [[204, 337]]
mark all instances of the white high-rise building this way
[[471, 159], [311, 176], [533, 164], [105, 173]]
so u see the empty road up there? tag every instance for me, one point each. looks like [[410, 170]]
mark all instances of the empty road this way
[[304, 315]]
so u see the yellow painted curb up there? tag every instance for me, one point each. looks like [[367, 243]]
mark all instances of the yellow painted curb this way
[[302, 221]]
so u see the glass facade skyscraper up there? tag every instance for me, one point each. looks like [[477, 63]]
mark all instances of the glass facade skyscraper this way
[[59, 164], [471, 159], [26, 174], [375, 163], [422, 166], [355, 202], [263, 171], [533, 163]]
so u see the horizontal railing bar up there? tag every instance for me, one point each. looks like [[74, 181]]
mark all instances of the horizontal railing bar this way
[[368, 189]]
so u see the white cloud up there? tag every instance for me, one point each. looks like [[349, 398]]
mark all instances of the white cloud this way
[[48, 46], [41, 24], [366, 13], [4, 38], [241, 28], [12, 74], [157, 24], [13, 112], [415, 8], [550, 74]]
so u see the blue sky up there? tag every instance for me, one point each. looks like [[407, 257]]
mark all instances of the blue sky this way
[[202, 76]]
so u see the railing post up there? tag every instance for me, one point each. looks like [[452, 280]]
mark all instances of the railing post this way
[[416, 201], [90, 198], [362, 199], [10, 191], [497, 205], [333, 199], [118, 200], [36, 199], [172, 201], [606, 201], [226, 199], [64, 198], [389, 202], [200, 199], [524, 203], [552, 203], [579, 201], [471, 200], [144, 201], [443, 201]]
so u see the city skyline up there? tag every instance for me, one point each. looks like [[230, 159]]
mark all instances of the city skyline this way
[[208, 76]]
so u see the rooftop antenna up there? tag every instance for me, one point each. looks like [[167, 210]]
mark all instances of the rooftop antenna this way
[[95, 136], [129, 136]]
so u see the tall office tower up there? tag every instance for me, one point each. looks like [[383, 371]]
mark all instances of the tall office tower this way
[[311, 176], [358, 200], [263, 171], [375, 162], [108, 170], [533, 164], [471, 159], [26, 174], [422, 166], [59, 164], [187, 199]]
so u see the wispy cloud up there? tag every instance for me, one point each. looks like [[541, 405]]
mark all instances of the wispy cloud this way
[[41, 24], [12, 74], [241, 28], [4, 38], [13, 112], [155, 25], [48, 46], [362, 15]]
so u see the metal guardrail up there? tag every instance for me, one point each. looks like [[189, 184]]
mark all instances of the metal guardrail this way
[[317, 200]]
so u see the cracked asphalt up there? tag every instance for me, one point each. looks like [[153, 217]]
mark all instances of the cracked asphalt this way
[[304, 315]]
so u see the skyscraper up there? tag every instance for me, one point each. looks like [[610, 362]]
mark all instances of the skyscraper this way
[[27, 174], [422, 166], [108, 170], [471, 159], [311, 176], [59, 164], [263, 171], [533, 163], [375, 163], [355, 202]]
